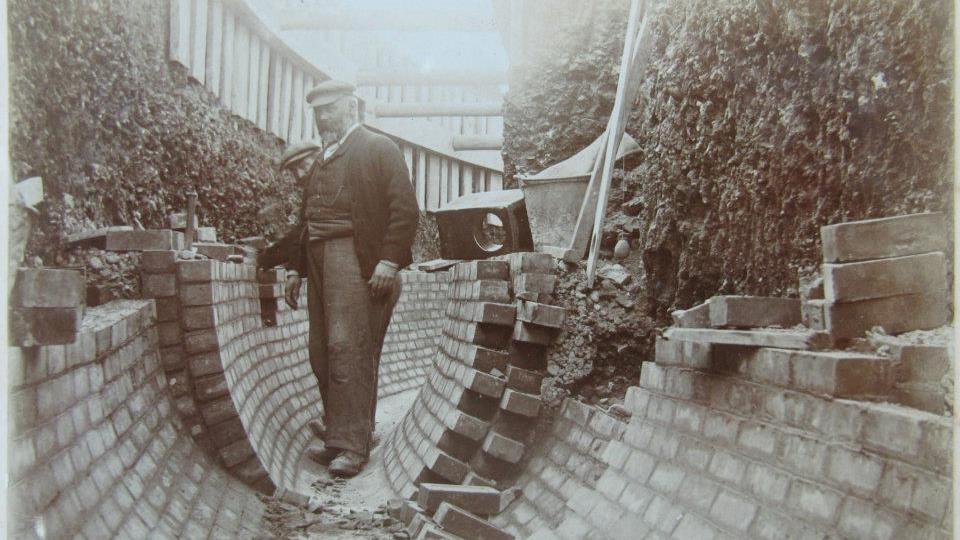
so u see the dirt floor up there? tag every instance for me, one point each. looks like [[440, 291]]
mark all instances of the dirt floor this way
[[345, 508]]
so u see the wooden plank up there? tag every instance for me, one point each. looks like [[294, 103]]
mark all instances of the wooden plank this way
[[407, 156], [467, 179], [263, 92], [780, 339], [307, 112], [421, 181], [454, 180], [496, 181], [444, 186], [242, 62], [198, 40], [296, 112], [180, 32], [433, 182], [226, 71], [214, 46], [286, 100], [273, 94], [253, 79]]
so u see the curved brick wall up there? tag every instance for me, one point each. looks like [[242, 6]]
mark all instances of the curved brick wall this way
[[414, 331], [97, 449], [471, 421], [740, 444], [237, 358]]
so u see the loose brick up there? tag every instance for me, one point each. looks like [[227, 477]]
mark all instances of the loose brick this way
[[206, 234], [538, 263], [695, 317], [49, 288], [838, 373], [914, 274], [520, 403], [541, 314], [463, 523], [524, 380], [215, 250], [178, 221], [159, 262], [690, 354], [531, 333], [197, 271], [534, 283], [783, 339], [895, 314], [149, 240], [503, 448], [480, 500], [473, 270], [884, 237], [753, 311], [447, 466]]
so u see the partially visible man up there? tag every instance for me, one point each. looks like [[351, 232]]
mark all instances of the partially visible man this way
[[297, 159], [358, 218]]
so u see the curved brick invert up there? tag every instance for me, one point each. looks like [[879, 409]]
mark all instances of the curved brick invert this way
[[461, 427], [98, 449], [734, 454]]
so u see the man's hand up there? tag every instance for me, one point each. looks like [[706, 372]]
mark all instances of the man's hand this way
[[292, 291], [384, 276]]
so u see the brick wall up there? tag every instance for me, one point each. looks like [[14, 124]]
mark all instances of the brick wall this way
[[414, 331], [97, 449], [720, 453], [471, 420], [237, 361]]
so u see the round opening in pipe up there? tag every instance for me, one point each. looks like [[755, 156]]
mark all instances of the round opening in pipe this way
[[489, 233]]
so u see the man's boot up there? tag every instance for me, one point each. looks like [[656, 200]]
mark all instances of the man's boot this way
[[347, 464], [323, 455]]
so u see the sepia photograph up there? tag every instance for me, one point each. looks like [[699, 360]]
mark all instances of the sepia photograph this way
[[479, 269]]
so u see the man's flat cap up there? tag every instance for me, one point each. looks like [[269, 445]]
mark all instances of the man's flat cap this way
[[297, 152], [329, 91]]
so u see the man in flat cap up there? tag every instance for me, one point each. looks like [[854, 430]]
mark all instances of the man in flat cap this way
[[357, 222], [297, 159]]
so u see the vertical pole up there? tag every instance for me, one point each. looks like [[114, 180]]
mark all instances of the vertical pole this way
[[190, 231]]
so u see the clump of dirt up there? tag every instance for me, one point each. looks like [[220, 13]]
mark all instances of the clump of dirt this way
[[327, 519], [606, 336]]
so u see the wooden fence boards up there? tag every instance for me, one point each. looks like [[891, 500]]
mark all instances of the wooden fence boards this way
[[214, 47], [180, 32], [198, 40]]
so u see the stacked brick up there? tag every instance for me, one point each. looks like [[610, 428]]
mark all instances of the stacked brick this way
[[414, 332], [470, 422], [888, 272], [46, 306], [97, 449], [731, 441]]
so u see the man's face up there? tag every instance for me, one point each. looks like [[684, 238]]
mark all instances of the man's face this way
[[331, 119]]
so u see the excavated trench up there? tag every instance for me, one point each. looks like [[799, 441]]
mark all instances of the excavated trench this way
[[185, 416]]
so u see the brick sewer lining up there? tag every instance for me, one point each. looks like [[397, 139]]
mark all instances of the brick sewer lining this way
[[704, 455], [141, 426]]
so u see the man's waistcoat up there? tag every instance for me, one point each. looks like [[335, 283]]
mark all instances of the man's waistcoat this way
[[384, 207]]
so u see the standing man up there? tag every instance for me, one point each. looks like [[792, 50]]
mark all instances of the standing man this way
[[297, 159], [358, 218]]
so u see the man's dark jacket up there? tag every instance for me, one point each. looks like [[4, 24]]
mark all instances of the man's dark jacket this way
[[384, 204]]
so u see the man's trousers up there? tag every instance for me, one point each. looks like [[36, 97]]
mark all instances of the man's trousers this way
[[347, 328]]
